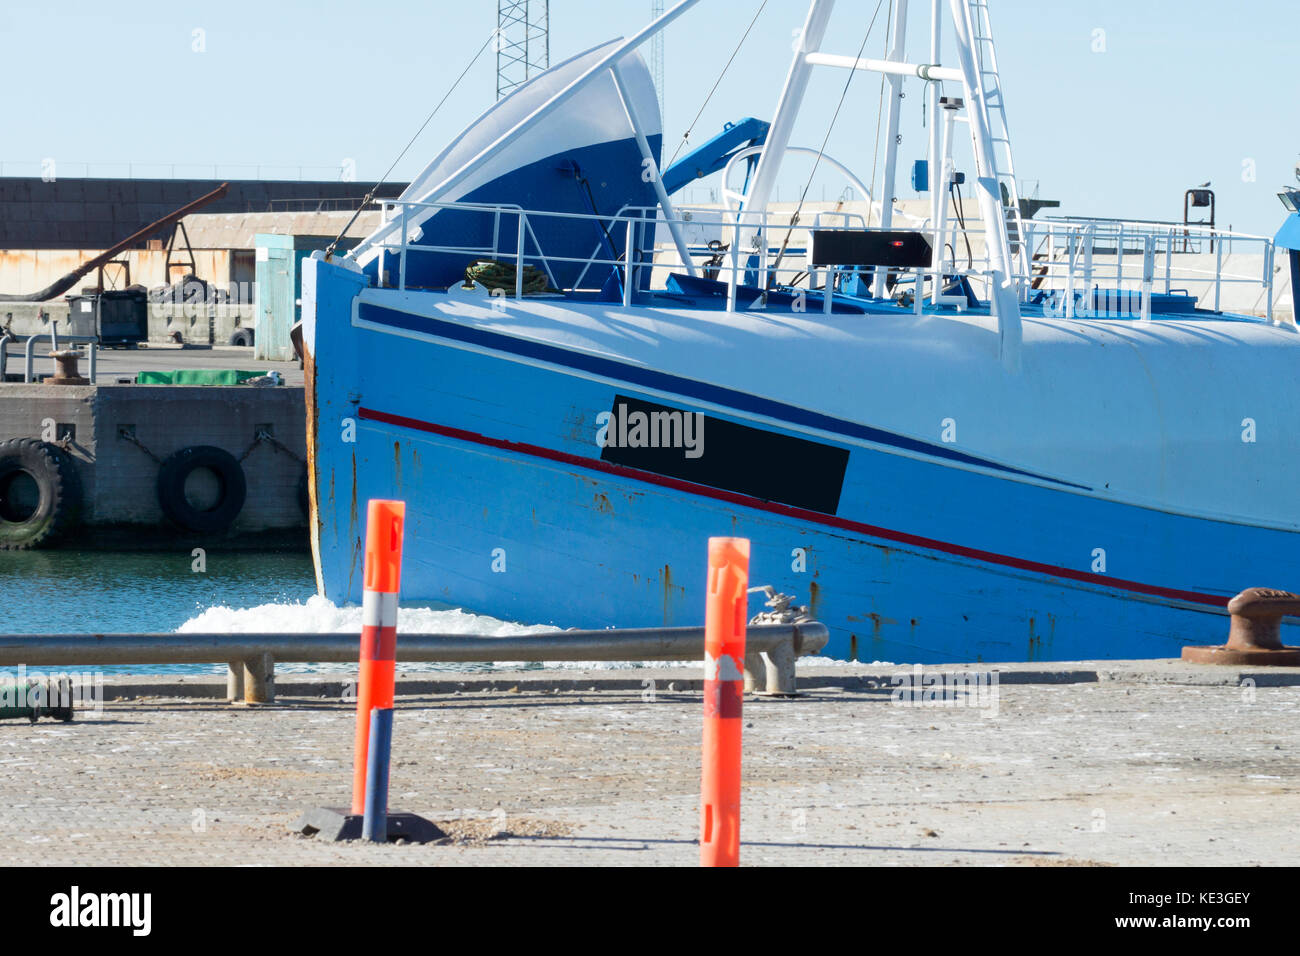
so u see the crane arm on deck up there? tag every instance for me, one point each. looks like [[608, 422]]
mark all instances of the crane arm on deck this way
[[714, 155]]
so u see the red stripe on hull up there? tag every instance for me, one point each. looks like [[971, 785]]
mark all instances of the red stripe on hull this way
[[802, 514]]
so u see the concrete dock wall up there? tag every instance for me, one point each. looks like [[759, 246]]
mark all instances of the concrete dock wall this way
[[200, 320], [119, 475]]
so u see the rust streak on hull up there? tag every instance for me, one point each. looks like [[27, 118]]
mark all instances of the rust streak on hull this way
[[313, 502]]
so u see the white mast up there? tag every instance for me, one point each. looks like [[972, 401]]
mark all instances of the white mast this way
[[657, 58], [787, 107], [897, 47], [937, 186], [1006, 305], [778, 138], [938, 157], [1002, 293]]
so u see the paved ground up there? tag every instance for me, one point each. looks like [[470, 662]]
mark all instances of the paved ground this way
[[1133, 765], [111, 364]]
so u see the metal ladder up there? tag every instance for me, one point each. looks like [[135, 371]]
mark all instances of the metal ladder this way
[[986, 60]]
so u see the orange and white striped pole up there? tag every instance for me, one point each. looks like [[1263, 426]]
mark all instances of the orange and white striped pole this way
[[724, 688], [383, 575]]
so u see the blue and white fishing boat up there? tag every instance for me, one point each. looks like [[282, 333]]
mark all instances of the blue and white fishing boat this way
[[1022, 440]]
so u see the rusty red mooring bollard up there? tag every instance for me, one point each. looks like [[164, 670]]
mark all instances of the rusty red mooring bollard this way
[[66, 372], [1255, 634]]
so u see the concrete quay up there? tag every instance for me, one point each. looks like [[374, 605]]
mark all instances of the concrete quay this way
[[119, 442], [1084, 763]]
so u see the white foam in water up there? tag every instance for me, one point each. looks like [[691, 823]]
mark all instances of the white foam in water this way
[[317, 615], [836, 662]]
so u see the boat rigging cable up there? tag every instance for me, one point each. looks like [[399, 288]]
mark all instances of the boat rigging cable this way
[[687, 135], [329, 252], [794, 219]]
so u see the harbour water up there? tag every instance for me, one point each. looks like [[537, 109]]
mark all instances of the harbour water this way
[[66, 591], [57, 591]]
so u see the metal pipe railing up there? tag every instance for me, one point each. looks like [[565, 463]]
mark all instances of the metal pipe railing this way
[[771, 649], [1098, 250], [1105, 254], [30, 346]]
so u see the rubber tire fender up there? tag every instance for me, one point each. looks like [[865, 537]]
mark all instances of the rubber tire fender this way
[[171, 488], [59, 507]]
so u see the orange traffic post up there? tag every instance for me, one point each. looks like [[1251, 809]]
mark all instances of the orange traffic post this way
[[383, 575], [724, 688]]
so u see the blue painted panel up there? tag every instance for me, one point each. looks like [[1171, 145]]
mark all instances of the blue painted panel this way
[[1288, 237]]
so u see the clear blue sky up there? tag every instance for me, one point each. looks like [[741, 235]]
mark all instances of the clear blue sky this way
[[1185, 91]]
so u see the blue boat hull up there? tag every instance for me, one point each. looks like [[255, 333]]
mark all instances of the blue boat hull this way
[[513, 511]]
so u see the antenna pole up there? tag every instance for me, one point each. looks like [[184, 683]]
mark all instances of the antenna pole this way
[[523, 43]]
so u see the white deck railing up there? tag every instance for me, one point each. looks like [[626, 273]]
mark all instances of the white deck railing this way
[[633, 227], [1078, 255], [1068, 258]]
